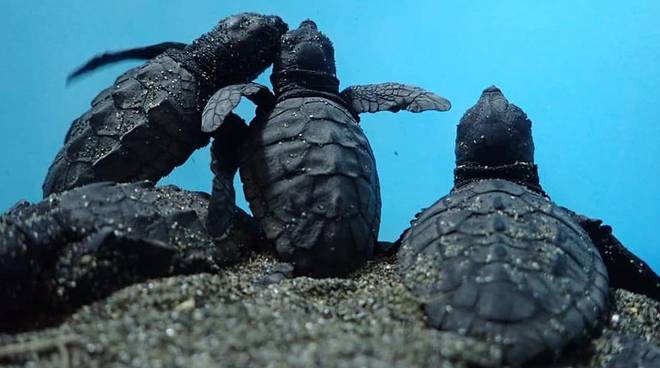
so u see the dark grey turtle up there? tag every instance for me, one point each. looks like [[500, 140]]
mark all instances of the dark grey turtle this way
[[147, 123], [497, 260], [82, 244], [307, 168]]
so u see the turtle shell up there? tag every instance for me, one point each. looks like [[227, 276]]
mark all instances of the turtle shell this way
[[498, 262], [140, 128], [310, 178]]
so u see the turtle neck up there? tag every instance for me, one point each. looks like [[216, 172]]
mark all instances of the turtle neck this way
[[523, 173]]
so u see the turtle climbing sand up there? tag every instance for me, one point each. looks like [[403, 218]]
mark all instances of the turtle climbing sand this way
[[81, 245], [308, 171], [497, 260], [148, 121]]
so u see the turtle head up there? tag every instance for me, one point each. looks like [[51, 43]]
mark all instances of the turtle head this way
[[239, 47], [248, 28], [494, 132], [306, 58], [494, 141]]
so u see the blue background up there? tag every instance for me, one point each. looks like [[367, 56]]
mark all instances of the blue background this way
[[586, 73]]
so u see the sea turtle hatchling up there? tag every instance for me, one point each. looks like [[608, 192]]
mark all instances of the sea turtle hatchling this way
[[148, 121], [308, 171], [497, 260], [82, 244]]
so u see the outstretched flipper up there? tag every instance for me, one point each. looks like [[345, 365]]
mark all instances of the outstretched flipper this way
[[392, 97], [626, 270], [110, 57], [223, 102]]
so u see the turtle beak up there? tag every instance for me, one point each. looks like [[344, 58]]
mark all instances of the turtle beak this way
[[493, 97]]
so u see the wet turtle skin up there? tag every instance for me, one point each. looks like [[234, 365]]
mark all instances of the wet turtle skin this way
[[147, 122], [80, 245], [516, 270], [310, 178]]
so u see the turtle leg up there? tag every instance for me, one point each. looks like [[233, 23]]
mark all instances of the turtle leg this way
[[626, 270], [229, 226], [392, 97]]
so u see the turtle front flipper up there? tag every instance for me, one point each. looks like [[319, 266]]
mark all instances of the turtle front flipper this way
[[392, 97], [111, 57], [229, 226], [626, 270], [225, 100]]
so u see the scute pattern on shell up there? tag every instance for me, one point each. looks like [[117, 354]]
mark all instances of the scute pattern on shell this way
[[140, 128], [495, 261], [309, 175]]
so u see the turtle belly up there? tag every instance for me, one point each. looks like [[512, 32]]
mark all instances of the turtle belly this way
[[500, 263], [310, 178]]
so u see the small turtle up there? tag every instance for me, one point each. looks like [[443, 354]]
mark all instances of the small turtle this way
[[82, 244], [308, 171], [497, 260], [147, 123]]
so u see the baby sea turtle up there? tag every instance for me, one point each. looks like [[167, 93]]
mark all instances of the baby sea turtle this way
[[308, 171], [147, 123], [82, 244], [497, 260]]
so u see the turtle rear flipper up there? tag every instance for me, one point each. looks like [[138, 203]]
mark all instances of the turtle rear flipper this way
[[392, 97], [626, 270], [111, 57]]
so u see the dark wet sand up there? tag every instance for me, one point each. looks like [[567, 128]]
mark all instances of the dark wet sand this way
[[224, 320]]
